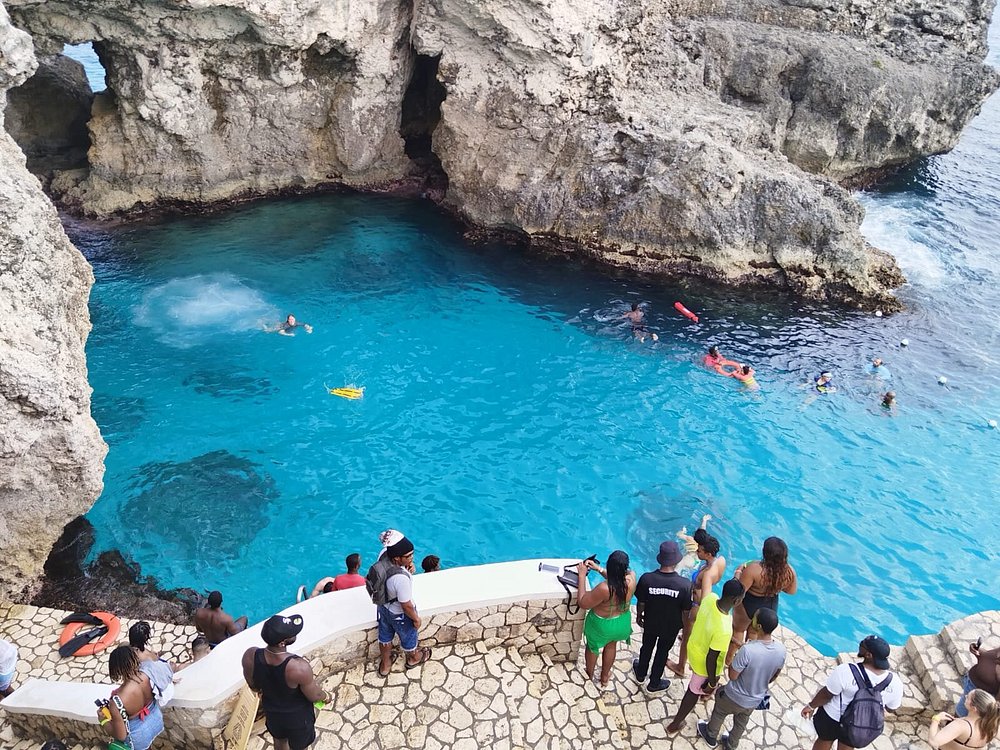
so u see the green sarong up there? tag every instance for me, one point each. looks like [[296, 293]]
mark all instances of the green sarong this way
[[600, 631]]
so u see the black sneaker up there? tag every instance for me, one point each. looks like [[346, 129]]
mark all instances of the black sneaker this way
[[658, 687], [724, 740], [703, 731], [635, 671]]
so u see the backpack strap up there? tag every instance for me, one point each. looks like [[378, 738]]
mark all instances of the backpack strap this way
[[885, 683], [861, 677]]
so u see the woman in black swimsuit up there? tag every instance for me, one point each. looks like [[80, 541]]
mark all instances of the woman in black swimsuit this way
[[763, 580], [976, 731]]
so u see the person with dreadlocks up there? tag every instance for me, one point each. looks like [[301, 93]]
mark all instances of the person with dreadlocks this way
[[609, 616], [132, 714], [138, 638], [763, 580]]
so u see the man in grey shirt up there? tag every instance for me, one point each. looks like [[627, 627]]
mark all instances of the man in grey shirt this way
[[754, 667]]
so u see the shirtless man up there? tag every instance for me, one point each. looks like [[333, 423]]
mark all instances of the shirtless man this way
[[713, 566], [288, 325], [214, 623], [985, 675], [637, 317]]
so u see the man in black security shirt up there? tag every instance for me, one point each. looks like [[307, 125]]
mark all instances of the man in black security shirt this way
[[663, 596]]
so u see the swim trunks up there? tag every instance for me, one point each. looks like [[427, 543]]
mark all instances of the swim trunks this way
[[600, 631]]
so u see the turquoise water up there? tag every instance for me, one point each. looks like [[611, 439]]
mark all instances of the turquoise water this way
[[509, 414]]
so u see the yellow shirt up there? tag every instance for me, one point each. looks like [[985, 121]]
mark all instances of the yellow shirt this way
[[712, 630]]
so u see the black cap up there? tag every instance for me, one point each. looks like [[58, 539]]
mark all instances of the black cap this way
[[669, 554], [878, 649], [279, 628]]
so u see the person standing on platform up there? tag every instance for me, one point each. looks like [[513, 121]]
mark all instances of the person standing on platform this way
[[663, 597]]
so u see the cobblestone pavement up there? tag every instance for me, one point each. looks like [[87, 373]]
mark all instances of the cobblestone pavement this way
[[469, 697]]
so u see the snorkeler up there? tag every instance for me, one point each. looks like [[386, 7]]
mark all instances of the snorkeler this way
[[824, 382], [637, 317], [745, 375], [288, 325]]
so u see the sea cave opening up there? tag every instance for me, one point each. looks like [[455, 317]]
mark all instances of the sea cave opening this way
[[421, 113]]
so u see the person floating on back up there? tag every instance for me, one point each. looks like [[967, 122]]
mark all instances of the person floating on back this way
[[638, 320], [287, 326], [288, 689], [609, 615], [706, 647], [390, 585], [349, 580], [756, 666], [214, 623], [663, 598], [849, 710]]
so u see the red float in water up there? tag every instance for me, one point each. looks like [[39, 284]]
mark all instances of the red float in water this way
[[685, 312]]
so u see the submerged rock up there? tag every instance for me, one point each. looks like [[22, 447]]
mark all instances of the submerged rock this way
[[51, 453], [678, 136]]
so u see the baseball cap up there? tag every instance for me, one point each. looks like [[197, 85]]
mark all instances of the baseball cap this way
[[669, 554], [878, 649], [279, 628]]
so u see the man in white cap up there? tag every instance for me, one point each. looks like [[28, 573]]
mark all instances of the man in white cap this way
[[287, 686]]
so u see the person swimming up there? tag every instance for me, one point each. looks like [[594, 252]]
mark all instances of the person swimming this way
[[717, 362], [878, 369], [288, 325], [824, 382], [889, 401], [637, 318], [745, 375]]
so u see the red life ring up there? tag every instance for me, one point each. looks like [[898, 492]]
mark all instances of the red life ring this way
[[94, 647]]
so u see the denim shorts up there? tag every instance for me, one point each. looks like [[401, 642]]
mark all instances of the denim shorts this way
[[390, 624], [967, 687]]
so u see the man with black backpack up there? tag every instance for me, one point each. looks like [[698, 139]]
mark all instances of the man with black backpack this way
[[852, 704], [390, 585]]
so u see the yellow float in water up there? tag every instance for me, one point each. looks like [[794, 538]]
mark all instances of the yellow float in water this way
[[347, 392]]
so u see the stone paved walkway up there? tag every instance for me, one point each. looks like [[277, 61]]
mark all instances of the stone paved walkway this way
[[468, 697]]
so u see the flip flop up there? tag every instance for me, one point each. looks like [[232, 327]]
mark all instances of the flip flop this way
[[425, 654], [392, 660]]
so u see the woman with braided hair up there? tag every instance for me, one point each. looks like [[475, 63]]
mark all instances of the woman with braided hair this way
[[763, 580], [132, 716]]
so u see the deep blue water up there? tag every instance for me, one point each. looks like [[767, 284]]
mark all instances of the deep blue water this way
[[508, 413]]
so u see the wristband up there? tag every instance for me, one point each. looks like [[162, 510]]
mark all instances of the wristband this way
[[104, 721]]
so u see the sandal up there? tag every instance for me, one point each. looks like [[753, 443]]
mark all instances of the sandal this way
[[425, 654], [384, 675]]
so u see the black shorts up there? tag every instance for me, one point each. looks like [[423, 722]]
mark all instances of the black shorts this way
[[827, 729], [752, 602], [298, 728]]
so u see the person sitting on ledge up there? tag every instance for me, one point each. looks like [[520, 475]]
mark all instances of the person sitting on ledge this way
[[977, 729], [215, 624], [349, 580], [132, 715], [199, 650], [138, 638], [985, 675], [431, 564]]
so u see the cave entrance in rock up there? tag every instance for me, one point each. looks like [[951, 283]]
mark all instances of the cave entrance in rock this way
[[421, 113], [47, 115]]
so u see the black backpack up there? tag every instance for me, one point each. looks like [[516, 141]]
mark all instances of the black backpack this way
[[375, 581], [864, 718]]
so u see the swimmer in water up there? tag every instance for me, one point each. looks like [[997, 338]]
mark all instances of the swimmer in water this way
[[637, 318], [824, 382], [745, 375], [879, 370], [717, 362], [288, 325], [889, 401]]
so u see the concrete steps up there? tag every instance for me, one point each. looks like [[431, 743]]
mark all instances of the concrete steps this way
[[936, 671]]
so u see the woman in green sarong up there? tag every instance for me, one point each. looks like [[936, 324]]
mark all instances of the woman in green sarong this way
[[609, 615]]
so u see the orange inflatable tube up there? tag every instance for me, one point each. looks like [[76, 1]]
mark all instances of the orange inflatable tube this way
[[685, 312], [94, 647]]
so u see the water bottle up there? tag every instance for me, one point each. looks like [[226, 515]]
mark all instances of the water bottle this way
[[546, 568]]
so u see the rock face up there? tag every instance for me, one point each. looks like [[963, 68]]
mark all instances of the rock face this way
[[51, 453], [47, 116], [694, 136]]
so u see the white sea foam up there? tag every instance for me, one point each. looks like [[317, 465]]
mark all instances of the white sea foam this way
[[891, 227], [183, 312]]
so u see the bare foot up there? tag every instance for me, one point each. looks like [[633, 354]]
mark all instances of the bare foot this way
[[677, 669]]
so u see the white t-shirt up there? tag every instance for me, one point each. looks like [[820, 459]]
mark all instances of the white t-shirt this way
[[841, 683], [400, 588], [8, 657]]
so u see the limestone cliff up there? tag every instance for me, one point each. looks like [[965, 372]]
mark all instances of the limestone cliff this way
[[51, 453], [701, 136]]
